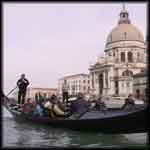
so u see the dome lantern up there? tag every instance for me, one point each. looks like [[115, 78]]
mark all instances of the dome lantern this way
[[124, 16]]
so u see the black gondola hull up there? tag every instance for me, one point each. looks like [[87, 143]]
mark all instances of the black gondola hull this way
[[114, 121]]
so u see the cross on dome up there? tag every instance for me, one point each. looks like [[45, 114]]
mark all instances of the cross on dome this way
[[123, 6]]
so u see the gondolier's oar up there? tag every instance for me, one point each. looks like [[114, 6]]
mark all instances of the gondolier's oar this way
[[11, 91]]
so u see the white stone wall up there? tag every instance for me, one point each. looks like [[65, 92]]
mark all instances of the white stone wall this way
[[76, 84], [140, 83], [112, 88]]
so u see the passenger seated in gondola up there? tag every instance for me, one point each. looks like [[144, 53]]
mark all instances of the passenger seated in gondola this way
[[54, 107], [45, 109], [60, 104], [79, 106], [28, 107], [39, 111], [129, 102], [48, 107], [58, 108], [100, 105]]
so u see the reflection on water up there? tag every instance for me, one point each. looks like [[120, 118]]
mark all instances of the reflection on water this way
[[17, 134]]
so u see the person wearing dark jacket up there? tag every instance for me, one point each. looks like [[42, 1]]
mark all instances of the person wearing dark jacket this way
[[129, 102], [80, 105], [100, 105], [65, 92], [22, 84]]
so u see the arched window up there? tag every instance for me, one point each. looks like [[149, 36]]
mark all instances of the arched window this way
[[106, 78], [92, 80], [137, 93], [127, 73], [110, 54], [130, 57], [122, 57], [113, 53], [138, 56], [125, 35]]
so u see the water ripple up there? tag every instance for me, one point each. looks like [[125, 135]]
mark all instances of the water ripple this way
[[17, 134]]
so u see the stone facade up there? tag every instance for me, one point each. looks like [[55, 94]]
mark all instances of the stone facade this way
[[124, 56], [76, 83], [140, 85]]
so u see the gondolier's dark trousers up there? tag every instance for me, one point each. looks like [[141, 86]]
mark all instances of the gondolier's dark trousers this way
[[21, 96], [65, 97]]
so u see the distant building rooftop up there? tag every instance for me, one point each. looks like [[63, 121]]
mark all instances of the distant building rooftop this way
[[38, 88], [75, 75]]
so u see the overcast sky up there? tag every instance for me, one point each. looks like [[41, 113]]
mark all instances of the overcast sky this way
[[47, 41]]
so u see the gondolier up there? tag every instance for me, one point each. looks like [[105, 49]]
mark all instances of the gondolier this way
[[65, 92], [22, 84]]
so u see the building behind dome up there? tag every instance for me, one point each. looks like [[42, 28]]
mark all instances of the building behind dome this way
[[125, 55]]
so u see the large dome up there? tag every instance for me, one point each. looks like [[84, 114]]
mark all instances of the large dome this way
[[125, 31]]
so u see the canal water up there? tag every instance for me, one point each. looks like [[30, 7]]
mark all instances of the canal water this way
[[26, 135]]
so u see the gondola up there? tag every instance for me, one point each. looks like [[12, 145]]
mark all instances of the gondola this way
[[113, 121]]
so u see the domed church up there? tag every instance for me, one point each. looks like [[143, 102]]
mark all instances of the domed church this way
[[124, 56]]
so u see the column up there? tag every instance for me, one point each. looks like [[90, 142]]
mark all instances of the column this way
[[118, 57], [95, 84], [120, 87], [112, 89], [126, 56], [131, 85], [108, 76], [94, 80], [134, 56], [104, 85]]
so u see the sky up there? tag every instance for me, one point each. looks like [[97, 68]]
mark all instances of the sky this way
[[47, 41]]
